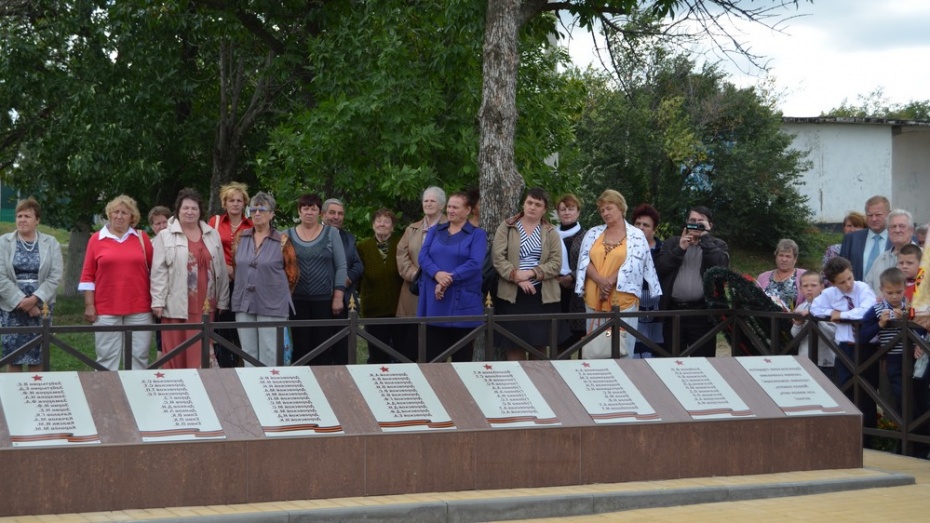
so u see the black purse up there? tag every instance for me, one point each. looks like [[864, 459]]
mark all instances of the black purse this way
[[415, 284]]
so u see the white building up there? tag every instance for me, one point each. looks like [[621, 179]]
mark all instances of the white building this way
[[856, 158]]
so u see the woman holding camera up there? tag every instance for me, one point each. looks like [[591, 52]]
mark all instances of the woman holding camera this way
[[613, 264], [681, 264]]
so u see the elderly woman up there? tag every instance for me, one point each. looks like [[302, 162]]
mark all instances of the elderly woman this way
[[320, 288], [381, 283], [233, 197], [451, 259], [30, 271], [433, 202], [854, 221], [158, 219], [188, 277], [527, 254], [266, 269], [784, 282], [115, 282], [615, 264], [646, 218]]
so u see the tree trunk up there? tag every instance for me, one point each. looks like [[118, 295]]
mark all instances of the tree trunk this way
[[74, 261], [499, 182]]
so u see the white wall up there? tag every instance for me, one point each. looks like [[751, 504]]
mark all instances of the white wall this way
[[850, 163], [911, 172]]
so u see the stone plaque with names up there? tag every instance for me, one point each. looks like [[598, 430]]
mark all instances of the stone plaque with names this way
[[789, 385], [699, 388], [505, 394], [170, 405], [605, 391], [400, 398], [288, 401], [46, 408]]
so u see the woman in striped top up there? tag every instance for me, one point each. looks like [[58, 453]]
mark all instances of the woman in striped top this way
[[527, 254]]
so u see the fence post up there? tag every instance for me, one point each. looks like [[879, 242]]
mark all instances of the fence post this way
[[207, 335], [490, 352], [46, 350], [615, 334], [353, 333]]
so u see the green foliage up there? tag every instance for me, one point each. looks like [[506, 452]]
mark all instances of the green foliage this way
[[397, 88], [877, 105], [677, 136]]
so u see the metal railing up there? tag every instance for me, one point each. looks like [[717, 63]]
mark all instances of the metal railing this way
[[748, 332]]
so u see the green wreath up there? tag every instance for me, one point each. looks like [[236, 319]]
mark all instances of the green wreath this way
[[725, 289]]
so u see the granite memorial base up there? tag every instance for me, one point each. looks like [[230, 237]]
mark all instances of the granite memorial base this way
[[229, 436]]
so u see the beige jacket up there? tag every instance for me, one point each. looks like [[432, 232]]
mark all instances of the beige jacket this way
[[505, 254], [169, 270], [50, 270], [408, 250]]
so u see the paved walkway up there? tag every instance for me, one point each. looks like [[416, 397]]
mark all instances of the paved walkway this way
[[871, 500]]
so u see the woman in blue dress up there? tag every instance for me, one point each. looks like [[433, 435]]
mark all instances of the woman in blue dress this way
[[451, 259], [30, 271]]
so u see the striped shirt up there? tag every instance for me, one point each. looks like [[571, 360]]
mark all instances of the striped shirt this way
[[530, 249]]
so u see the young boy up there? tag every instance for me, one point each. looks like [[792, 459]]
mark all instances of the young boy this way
[[875, 327], [909, 263], [811, 287], [848, 299]]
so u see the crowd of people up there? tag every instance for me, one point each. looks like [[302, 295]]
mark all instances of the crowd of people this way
[[238, 266]]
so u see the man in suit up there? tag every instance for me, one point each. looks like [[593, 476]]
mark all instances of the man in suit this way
[[863, 247]]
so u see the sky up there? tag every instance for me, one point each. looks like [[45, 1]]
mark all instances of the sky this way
[[828, 51]]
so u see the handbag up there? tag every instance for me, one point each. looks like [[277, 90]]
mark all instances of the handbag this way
[[415, 284], [598, 348], [920, 366]]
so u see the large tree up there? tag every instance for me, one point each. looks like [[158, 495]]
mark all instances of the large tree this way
[[500, 179]]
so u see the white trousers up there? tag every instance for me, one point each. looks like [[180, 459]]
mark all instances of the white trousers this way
[[110, 344], [632, 322], [259, 343]]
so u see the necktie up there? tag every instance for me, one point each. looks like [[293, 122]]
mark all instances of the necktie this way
[[876, 248], [849, 303]]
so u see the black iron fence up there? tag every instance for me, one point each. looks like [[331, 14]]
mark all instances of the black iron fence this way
[[906, 424]]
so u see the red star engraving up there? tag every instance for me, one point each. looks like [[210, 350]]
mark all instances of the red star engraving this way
[[37, 378], [384, 369], [275, 372], [679, 362], [585, 364], [159, 374], [487, 367], [767, 360]]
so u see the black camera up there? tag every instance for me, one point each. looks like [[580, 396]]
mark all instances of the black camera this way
[[695, 227]]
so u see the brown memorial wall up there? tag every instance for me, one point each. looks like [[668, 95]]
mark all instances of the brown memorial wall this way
[[97, 441]]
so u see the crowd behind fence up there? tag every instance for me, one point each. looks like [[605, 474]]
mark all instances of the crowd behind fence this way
[[910, 422]]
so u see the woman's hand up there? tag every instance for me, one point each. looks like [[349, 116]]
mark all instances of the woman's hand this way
[[90, 313], [444, 279], [158, 311], [231, 272], [338, 305], [440, 292], [527, 287], [34, 312], [27, 303]]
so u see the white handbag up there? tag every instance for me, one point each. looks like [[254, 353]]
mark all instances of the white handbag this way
[[598, 348]]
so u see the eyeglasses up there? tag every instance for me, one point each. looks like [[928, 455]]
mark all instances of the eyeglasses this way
[[253, 210]]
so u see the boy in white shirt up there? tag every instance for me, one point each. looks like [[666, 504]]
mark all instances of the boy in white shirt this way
[[849, 299], [811, 287]]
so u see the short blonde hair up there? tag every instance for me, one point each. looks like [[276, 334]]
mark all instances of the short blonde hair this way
[[232, 187], [614, 197], [130, 204]]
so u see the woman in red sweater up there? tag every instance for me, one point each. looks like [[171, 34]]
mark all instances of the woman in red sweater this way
[[115, 281]]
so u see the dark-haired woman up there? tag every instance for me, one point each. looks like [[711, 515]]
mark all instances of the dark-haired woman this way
[[30, 271], [188, 277], [527, 254]]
